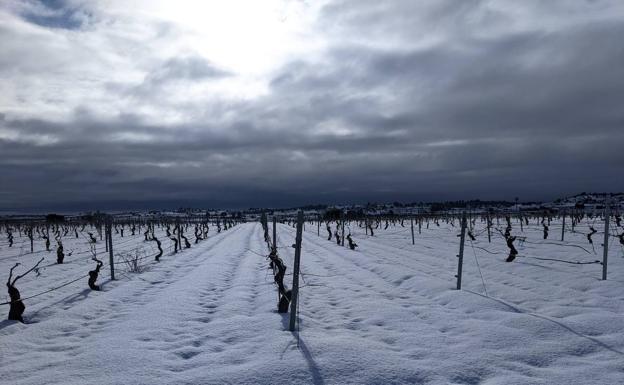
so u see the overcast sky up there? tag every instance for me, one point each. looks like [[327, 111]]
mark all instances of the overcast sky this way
[[146, 104]]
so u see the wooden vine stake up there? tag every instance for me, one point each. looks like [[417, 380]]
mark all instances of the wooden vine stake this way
[[460, 256], [295, 285], [342, 219], [179, 228], [109, 240], [30, 236], [605, 250], [318, 226], [274, 234]]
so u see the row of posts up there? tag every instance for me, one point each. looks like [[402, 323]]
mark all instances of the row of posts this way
[[108, 235], [460, 256], [298, 239], [296, 268], [342, 221]]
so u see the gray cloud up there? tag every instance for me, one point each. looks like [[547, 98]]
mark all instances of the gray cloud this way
[[54, 14], [185, 68], [407, 100]]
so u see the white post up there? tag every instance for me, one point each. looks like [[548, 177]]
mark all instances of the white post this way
[[342, 219], [179, 235], [295, 285], [605, 253], [274, 234], [460, 261], [109, 240]]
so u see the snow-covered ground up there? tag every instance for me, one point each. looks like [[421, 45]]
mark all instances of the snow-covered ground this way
[[383, 314]]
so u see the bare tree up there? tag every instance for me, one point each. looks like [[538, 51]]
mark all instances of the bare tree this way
[[60, 255], [160, 250], [47, 242], [352, 245], [17, 307], [187, 244], [93, 274], [589, 236], [175, 242]]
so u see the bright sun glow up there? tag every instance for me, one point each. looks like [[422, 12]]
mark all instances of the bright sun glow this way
[[249, 38]]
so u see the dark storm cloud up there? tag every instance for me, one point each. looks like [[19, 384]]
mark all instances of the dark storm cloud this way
[[187, 68], [491, 103], [183, 69], [55, 14]]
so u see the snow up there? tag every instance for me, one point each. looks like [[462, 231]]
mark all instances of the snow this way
[[386, 313]]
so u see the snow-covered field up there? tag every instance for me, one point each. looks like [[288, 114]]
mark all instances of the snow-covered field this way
[[386, 313]]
